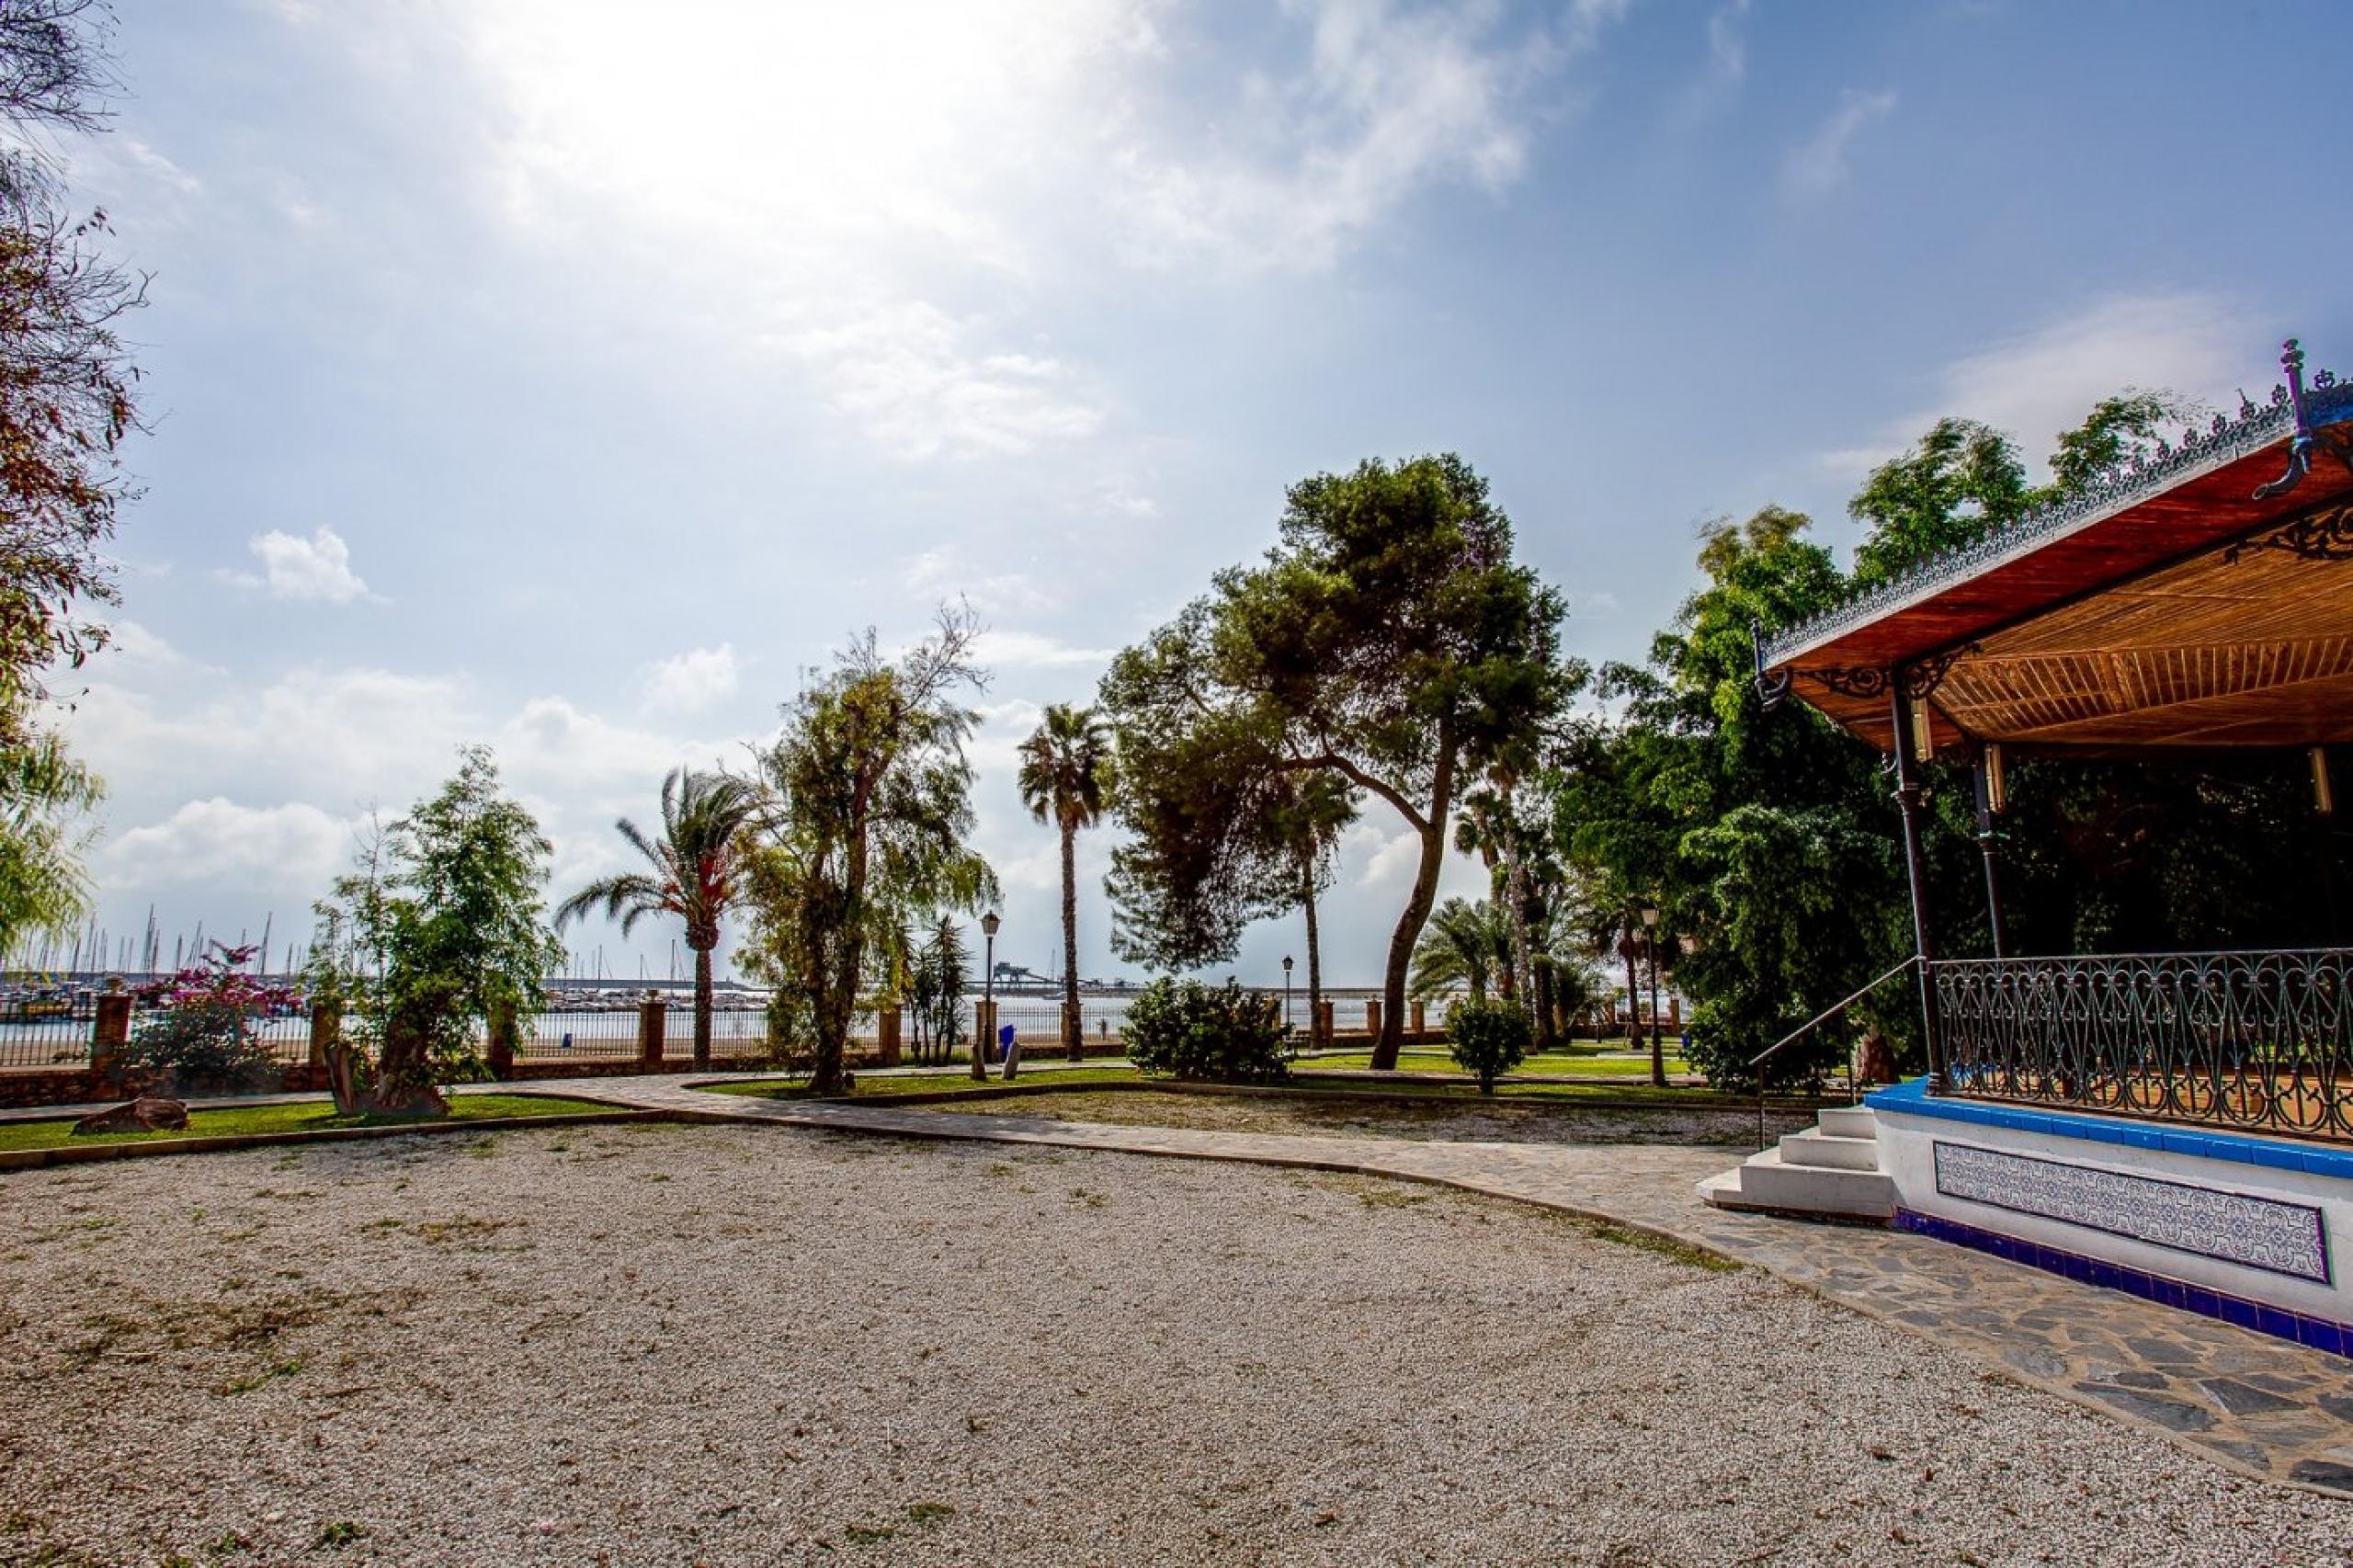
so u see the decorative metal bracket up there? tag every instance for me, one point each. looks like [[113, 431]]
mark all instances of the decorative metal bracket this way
[[2323, 535], [1770, 688], [1864, 681], [1921, 677], [2307, 442]]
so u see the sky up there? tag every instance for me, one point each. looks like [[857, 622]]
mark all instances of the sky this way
[[572, 376]]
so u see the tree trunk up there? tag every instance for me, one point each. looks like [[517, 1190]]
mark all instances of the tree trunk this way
[[1314, 965], [703, 1009], [403, 1083], [1548, 1030], [1417, 906], [1658, 1035], [837, 998], [1633, 996], [1073, 1032], [1516, 889]]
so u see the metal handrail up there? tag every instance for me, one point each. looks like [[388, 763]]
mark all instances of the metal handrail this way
[[1854, 1087]]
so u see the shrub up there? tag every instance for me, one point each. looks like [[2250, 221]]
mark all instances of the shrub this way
[[1488, 1038], [202, 1038], [1223, 1034]]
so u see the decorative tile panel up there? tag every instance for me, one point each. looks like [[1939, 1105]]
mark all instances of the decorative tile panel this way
[[2233, 1227]]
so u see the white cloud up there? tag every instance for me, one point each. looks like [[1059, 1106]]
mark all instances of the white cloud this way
[[133, 643], [1388, 103], [317, 568], [841, 176], [1727, 46], [943, 572], [2038, 382], [295, 848], [1031, 649], [906, 374], [835, 187], [1125, 502], [692, 681], [1818, 166]]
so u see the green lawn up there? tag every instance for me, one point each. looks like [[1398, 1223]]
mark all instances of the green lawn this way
[[308, 1116]]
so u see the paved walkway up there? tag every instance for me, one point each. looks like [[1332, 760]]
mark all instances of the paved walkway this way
[[2253, 1403]]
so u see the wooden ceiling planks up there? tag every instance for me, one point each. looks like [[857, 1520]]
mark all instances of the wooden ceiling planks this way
[[2178, 622]]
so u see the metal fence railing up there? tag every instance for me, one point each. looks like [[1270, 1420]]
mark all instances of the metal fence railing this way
[[56, 1039], [55, 1027], [2253, 1040]]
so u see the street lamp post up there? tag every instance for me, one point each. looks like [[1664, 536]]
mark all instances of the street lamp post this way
[[1650, 943], [988, 996], [1286, 996]]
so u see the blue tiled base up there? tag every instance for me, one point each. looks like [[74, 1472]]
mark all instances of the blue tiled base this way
[[1912, 1099], [2319, 1332]]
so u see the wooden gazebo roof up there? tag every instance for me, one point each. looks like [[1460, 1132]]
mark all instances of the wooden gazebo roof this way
[[2202, 597]]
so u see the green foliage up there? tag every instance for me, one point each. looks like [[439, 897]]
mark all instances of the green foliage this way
[[1962, 479], [1224, 1034], [935, 985], [202, 1039], [68, 386], [867, 824], [441, 923], [1389, 643], [1465, 946], [1488, 1038], [695, 875], [1772, 842], [1066, 781], [45, 798]]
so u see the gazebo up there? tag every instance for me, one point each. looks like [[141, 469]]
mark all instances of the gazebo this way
[[2179, 1124]]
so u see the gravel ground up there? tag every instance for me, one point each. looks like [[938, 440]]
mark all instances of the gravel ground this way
[[1465, 1121], [654, 1345]]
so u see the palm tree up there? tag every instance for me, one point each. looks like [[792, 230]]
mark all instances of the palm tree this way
[[693, 861], [1464, 944], [1067, 780]]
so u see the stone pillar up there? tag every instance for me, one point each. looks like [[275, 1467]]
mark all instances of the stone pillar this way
[[886, 1035], [111, 1032], [983, 1036], [502, 1039], [1421, 1017], [326, 1030], [1675, 1014], [1323, 1021], [1373, 1017], [649, 1014]]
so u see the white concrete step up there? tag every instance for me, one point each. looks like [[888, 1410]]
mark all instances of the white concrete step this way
[[1766, 1181], [1849, 1121], [1815, 1147]]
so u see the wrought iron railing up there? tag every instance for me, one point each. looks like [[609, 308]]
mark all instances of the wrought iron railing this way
[[2258, 1041]]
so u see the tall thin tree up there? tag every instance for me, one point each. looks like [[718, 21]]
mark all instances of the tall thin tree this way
[[694, 874], [1066, 775]]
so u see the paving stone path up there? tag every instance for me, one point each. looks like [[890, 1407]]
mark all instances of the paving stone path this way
[[2253, 1403]]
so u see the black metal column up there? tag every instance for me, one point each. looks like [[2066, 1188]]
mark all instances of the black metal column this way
[[1988, 847], [1910, 796]]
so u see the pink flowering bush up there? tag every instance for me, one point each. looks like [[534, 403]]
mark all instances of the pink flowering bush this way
[[200, 1035]]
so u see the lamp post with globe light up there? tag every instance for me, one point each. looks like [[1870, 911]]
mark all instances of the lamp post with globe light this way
[[1286, 996], [988, 996]]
